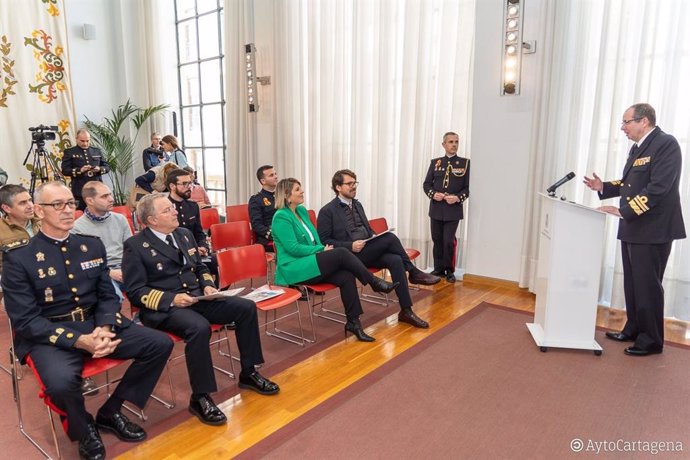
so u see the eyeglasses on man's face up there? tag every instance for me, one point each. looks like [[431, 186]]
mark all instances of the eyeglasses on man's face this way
[[627, 122], [183, 184], [60, 205], [353, 183]]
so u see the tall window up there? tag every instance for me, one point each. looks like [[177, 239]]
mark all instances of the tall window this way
[[200, 56]]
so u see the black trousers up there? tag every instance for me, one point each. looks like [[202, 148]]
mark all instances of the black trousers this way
[[443, 236], [643, 272], [386, 251], [60, 371], [339, 266], [193, 325]]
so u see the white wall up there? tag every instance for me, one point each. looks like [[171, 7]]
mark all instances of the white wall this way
[[95, 65], [499, 146]]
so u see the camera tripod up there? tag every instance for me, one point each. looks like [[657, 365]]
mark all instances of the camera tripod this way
[[43, 165]]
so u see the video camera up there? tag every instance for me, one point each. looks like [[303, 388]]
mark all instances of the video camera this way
[[42, 133]]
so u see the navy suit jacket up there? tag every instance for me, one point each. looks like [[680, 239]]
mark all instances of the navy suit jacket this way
[[332, 224], [649, 192]]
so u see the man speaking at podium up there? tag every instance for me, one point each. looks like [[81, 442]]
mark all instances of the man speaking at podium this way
[[651, 219]]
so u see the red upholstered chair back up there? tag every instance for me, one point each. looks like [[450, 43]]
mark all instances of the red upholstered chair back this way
[[312, 217], [78, 214], [230, 235], [378, 225], [127, 212], [237, 212], [241, 263], [209, 216]]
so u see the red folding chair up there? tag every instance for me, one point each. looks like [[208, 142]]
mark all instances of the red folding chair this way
[[230, 235], [237, 212], [127, 212], [380, 225], [209, 216], [247, 262], [312, 216]]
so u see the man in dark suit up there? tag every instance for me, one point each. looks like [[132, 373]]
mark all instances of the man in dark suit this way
[[164, 276], [83, 163], [343, 223], [650, 219], [262, 206], [447, 184], [64, 309]]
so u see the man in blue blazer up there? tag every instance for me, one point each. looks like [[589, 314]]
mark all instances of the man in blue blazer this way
[[650, 219], [343, 223]]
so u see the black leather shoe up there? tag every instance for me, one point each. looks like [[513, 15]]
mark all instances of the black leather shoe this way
[[380, 285], [258, 383], [619, 336], [438, 272], [416, 276], [406, 315], [356, 329], [450, 277], [121, 427], [91, 446], [207, 411], [634, 351]]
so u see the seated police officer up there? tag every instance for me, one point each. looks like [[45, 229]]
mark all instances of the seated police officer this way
[[164, 276], [63, 309], [262, 206]]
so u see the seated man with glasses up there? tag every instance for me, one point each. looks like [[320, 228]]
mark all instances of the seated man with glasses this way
[[164, 276], [179, 184], [63, 309], [343, 223]]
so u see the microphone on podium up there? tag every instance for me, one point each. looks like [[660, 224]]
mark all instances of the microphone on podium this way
[[552, 190]]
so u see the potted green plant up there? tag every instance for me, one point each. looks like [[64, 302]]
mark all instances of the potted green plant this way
[[118, 149]]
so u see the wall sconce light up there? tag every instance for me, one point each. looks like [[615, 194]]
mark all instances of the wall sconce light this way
[[513, 47], [251, 78]]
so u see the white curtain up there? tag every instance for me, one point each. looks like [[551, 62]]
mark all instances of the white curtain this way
[[602, 57], [370, 86], [35, 85]]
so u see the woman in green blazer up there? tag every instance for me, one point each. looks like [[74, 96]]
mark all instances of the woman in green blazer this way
[[301, 258]]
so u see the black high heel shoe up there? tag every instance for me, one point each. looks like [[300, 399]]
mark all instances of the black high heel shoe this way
[[381, 285], [357, 331]]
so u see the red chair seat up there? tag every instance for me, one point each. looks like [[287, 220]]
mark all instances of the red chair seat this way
[[289, 296]]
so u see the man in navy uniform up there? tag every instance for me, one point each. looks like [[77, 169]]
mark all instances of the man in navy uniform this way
[[650, 219], [63, 309], [83, 163], [164, 276], [447, 184], [343, 223], [262, 206]]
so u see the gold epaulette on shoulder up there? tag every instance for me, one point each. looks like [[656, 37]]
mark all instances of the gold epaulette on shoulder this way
[[15, 244]]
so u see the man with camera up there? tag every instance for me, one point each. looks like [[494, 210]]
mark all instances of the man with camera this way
[[83, 163], [154, 155]]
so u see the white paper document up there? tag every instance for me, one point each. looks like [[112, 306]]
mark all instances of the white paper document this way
[[221, 294], [264, 292]]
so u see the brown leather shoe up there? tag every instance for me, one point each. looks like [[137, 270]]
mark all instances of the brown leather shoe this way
[[406, 315], [416, 276]]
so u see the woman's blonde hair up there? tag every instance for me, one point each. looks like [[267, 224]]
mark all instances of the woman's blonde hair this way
[[283, 191]]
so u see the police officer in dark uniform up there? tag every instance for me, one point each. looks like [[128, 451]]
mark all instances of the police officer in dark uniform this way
[[262, 206], [179, 184], [447, 184], [650, 219], [164, 276], [83, 163], [63, 309]]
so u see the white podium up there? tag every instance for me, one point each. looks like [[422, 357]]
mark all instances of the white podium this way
[[571, 245]]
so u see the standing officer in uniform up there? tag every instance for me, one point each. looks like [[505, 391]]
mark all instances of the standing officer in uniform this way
[[83, 163], [63, 309], [447, 184], [650, 219], [164, 276], [262, 206]]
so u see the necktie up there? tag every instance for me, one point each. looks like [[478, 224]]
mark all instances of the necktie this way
[[171, 243], [633, 150]]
